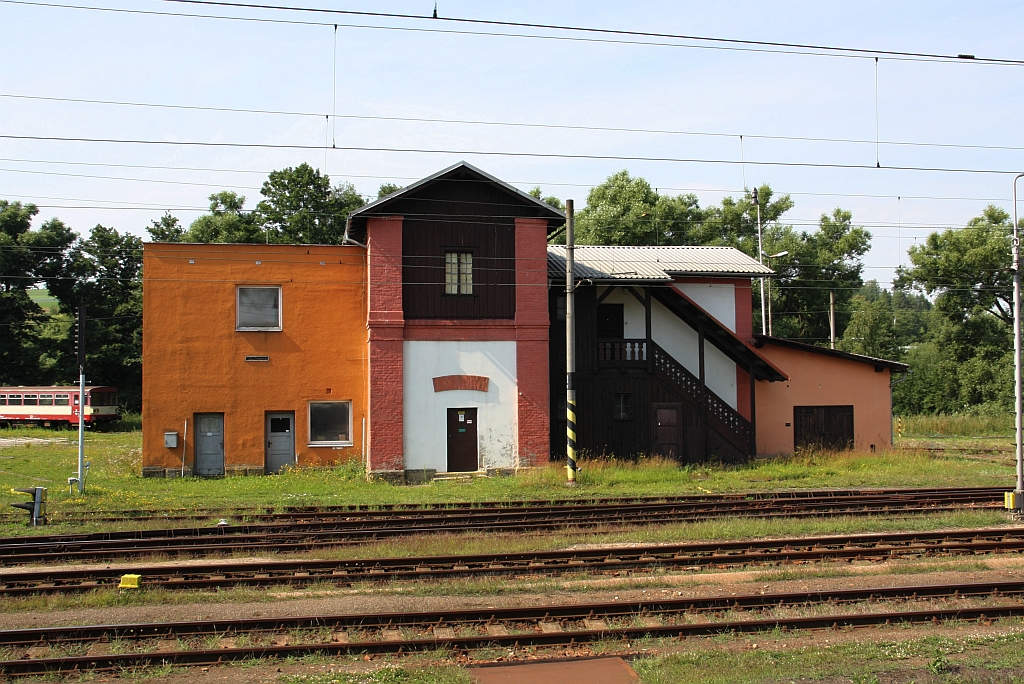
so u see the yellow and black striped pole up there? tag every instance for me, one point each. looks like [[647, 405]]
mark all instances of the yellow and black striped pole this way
[[570, 347]]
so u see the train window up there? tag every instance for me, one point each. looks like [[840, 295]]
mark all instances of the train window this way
[[14, 400], [46, 400], [31, 400], [60, 400], [3, 400], [330, 423], [258, 308], [103, 399], [76, 399]]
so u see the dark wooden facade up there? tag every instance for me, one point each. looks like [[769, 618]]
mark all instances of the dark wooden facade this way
[[459, 210], [633, 398]]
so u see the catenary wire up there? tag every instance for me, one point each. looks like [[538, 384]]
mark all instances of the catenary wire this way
[[519, 124], [736, 46], [524, 183], [494, 153]]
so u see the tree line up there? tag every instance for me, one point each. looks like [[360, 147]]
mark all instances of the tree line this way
[[947, 314]]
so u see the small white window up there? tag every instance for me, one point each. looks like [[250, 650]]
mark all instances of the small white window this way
[[259, 308], [46, 400], [330, 423], [458, 273], [61, 400]]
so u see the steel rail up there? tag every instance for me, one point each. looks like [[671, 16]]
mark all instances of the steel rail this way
[[552, 625], [350, 529], [285, 512], [598, 560], [317, 521], [209, 541]]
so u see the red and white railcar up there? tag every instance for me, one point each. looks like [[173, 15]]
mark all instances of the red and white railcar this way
[[58, 406]]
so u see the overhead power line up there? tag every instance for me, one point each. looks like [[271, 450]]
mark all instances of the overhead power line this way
[[609, 36], [514, 182], [515, 124], [864, 52], [491, 153]]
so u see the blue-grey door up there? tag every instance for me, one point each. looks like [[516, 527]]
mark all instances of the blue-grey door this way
[[280, 441], [209, 444]]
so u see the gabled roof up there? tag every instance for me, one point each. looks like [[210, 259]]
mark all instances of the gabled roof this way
[[653, 264], [879, 364], [460, 171]]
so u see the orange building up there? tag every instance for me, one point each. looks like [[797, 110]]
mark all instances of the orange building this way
[[832, 399], [254, 357]]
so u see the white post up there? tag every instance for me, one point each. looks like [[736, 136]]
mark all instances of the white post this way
[[832, 318], [81, 430], [760, 259], [81, 399], [1018, 390]]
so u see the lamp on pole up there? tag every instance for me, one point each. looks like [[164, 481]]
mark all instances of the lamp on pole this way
[[760, 259], [769, 257], [1018, 390]]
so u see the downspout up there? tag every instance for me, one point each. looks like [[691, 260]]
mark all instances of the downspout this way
[[346, 240]]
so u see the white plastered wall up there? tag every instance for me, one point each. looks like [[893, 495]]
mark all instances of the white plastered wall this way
[[425, 412], [718, 299], [680, 340]]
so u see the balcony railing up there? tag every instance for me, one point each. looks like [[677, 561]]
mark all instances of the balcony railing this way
[[629, 353]]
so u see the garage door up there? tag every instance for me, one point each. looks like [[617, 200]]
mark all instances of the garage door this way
[[823, 427]]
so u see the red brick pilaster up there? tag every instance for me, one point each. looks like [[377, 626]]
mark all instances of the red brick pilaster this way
[[532, 340], [744, 331], [385, 322]]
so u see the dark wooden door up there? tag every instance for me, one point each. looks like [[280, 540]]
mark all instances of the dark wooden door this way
[[823, 427], [611, 322], [668, 429], [462, 444]]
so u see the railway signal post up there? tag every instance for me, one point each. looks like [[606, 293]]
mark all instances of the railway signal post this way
[[80, 348], [1015, 501], [570, 346]]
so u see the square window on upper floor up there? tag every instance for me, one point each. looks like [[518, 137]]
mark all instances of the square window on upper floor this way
[[258, 307]]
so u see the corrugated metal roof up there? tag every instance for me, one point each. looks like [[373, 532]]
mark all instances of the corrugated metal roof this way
[[650, 263]]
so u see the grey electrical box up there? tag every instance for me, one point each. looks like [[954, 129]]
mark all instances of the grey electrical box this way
[[171, 440]]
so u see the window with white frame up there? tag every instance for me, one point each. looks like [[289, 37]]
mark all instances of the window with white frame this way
[[258, 307], [458, 273], [330, 423]]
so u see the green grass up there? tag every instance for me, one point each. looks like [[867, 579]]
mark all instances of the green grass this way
[[114, 482], [928, 659], [955, 425], [43, 298]]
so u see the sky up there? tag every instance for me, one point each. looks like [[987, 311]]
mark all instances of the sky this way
[[714, 112]]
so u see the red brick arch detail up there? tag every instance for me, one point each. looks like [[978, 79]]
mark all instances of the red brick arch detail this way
[[461, 382]]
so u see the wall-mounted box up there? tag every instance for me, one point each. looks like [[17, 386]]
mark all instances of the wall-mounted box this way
[[171, 440]]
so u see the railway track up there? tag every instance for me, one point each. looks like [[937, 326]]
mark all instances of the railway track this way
[[318, 530], [300, 513], [621, 561], [78, 649]]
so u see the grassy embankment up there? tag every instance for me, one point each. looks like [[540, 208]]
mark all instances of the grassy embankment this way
[[114, 482], [769, 658]]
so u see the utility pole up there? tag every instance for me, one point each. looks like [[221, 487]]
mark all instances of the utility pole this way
[[81, 398], [760, 260], [1018, 389], [769, 257], [832, 318], [570, 345]]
